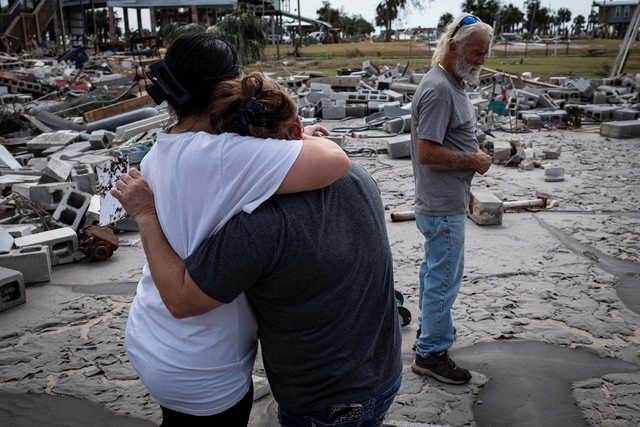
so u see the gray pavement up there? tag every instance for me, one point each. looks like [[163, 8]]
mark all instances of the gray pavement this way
[[548, 318]]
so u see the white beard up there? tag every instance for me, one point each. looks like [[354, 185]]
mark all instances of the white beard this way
[[468, 72]]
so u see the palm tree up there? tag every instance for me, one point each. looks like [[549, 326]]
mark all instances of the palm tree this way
[[511, 17], [387, 12], [483, 9], [102, 22], [172, 30], [444, 20], [578, 22], [243, 29], [564, 16]]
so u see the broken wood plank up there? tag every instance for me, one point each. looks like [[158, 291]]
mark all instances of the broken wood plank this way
[[117, 108]]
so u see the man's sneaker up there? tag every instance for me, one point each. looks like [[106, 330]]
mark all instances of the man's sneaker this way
[[415, 343], [441, 367]]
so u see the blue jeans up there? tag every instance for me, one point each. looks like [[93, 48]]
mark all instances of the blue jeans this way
[[374, 411], [441, 274]]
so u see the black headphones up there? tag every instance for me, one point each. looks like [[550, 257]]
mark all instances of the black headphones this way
[[165, 85]]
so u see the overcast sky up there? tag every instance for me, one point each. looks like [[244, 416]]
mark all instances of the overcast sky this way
[[432, 12]]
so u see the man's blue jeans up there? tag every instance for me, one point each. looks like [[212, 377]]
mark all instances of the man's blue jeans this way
[[374, 411], [441, 274]]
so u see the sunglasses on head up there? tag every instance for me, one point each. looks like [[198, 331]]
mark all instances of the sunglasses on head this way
[[467, 20]]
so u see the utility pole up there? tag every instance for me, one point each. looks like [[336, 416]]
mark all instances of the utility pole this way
[[299, 27]]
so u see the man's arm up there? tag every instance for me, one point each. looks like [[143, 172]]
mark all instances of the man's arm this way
[[435, 155], [182, 297]]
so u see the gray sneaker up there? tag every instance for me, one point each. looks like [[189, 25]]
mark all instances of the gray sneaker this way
[[441, 367]]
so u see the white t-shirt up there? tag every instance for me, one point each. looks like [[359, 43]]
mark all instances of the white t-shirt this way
[[201, 365]]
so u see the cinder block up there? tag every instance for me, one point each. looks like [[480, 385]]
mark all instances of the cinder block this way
[[486, 208], [131, 129], [621, 130], [554, 174], [33, 262], [85, 178], [12, 291], [47, 196], [19, 230], [399, 146], [398, 124], [72, 208], [355, 110], [531, 120], [501, 150], [62, 243], [333, 113], [552, 152], [52, 139], [58, 170], [6, 240], [626, 114]]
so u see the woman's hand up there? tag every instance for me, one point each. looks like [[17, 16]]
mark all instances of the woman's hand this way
[[316, 130], [135, 195]]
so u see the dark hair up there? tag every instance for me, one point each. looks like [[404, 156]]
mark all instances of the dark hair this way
[[200, 61], [277, 114]]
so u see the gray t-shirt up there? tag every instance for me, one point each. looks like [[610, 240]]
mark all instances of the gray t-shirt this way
[[442, 112], [317, 268]]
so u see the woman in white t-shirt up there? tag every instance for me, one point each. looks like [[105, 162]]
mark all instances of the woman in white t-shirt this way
[[216, 160]]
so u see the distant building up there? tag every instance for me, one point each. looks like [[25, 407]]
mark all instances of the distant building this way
[[612, 18]]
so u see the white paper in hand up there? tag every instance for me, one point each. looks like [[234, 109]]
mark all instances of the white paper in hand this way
[[108, 173]]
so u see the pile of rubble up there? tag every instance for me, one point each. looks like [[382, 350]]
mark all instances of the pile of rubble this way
[[51, 192], [511, 103]]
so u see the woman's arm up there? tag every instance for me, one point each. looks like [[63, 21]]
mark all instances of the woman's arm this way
[[180, 294], [320, 163]]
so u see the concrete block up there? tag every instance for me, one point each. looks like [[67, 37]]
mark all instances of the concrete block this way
[[47, 196], [72, 208], [486, 208], [599, 97], [62, 243], [399, 146], [398, 124], [527, 98], [350, 81], [621, 130], [51, 139], [308, 112], [626, 114], [355, 110], [552, 152], [393, 95], [94, 160], [12, 291], [19, 230], [334, 113], [501, 150], [554, 174], [131, 129], [100, 140], [6, 240], [33, 262], [551, 117], [8, 181], [85, 178], [58, 170], [531, 120]]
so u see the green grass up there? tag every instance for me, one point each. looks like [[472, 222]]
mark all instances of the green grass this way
[[325, 60]]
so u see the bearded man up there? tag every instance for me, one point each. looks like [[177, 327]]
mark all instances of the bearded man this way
[[445, 156]]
